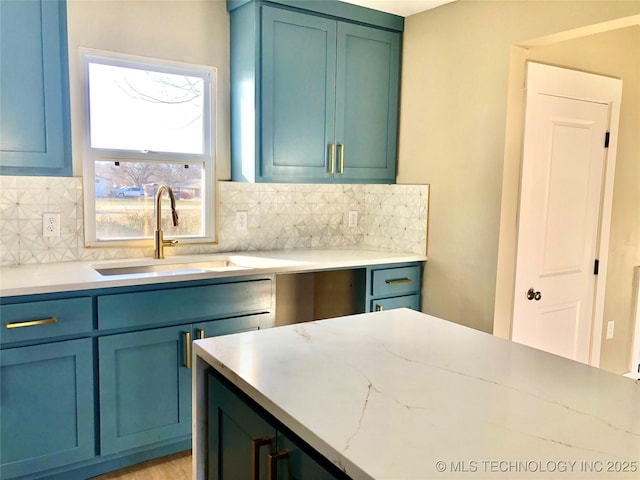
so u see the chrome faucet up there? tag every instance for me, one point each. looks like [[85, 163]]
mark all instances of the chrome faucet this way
[[159, 241]]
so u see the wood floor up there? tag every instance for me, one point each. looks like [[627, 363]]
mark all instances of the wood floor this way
[[171, 467]]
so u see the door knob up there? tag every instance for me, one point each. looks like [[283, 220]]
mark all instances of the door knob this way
[[533, 295]]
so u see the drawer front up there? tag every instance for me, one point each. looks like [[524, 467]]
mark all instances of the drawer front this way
[[228, 326], [407, 301], [395, 281], [188, 304], [51, 318]]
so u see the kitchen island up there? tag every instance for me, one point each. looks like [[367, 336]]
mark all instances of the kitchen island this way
[[403, 395]]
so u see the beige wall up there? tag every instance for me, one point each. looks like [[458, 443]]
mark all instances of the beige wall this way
[[452, 123], [194, 31]]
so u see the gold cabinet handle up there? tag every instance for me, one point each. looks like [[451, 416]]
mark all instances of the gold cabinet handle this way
[[273, 464], [341, 158], [187, 349], [256, 445], [332, 158], [199, 333], [379, 307], [396, 281], [31, 323]]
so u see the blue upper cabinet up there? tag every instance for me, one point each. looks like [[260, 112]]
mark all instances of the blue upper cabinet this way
[[367, 103], [314, 96], [34, 89], [299, 94]]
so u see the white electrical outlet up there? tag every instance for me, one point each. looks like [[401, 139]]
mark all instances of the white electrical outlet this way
[[50, 224], [241, 220], [353, 218], [610, 327]]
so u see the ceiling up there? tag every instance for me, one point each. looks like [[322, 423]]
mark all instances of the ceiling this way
[[403, 8]]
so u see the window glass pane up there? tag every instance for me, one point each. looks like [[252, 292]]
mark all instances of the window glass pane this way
[[124, 199], [133, 109]]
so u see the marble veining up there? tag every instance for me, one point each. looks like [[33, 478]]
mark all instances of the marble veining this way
[[370, 388], [401, 395]]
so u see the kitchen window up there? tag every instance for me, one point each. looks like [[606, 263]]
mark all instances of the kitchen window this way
[[148, 122]]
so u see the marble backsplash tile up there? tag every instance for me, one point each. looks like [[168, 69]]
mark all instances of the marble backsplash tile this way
[[280, 216]]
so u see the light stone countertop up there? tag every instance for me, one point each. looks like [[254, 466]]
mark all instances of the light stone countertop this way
[[71, 276], [400, 395]]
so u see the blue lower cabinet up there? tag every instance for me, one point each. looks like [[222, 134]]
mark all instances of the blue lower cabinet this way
[[227, 326], [245, 444], [394, 287], [95, 383], [407, 301], [293, 462], [145, 381], [145, 388], [47, 415], [236, 434]]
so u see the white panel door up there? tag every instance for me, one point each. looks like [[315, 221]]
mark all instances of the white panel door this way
[[562, 178]]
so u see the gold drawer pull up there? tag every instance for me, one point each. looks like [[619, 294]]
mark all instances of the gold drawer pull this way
[[332, 158], [341, 157], [396, 281], [256, 445], [32, 323], [379, 307], [273, 464], [199, 333], [187, 349]]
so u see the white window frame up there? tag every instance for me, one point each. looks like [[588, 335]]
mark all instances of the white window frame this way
[[206, 159]]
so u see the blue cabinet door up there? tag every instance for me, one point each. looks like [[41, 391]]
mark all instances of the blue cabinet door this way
[[47, 414], [239, 439], [297, 463], [145, 381], [329, 99], [243, 444], [298, 95], [145, 388], [34, 93], [368, 74]]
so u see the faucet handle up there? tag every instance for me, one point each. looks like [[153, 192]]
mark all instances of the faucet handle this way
[[170, 243]]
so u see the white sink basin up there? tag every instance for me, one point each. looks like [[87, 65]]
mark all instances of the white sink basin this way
[[166, 266], [190, 264]]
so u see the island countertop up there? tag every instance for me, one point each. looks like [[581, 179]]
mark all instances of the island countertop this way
[[402, 395]]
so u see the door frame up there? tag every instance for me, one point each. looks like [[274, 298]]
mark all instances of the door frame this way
[[508, 240]]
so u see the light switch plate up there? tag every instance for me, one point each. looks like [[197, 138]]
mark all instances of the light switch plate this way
[[610, 328], [353, 218], [241, 220]]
